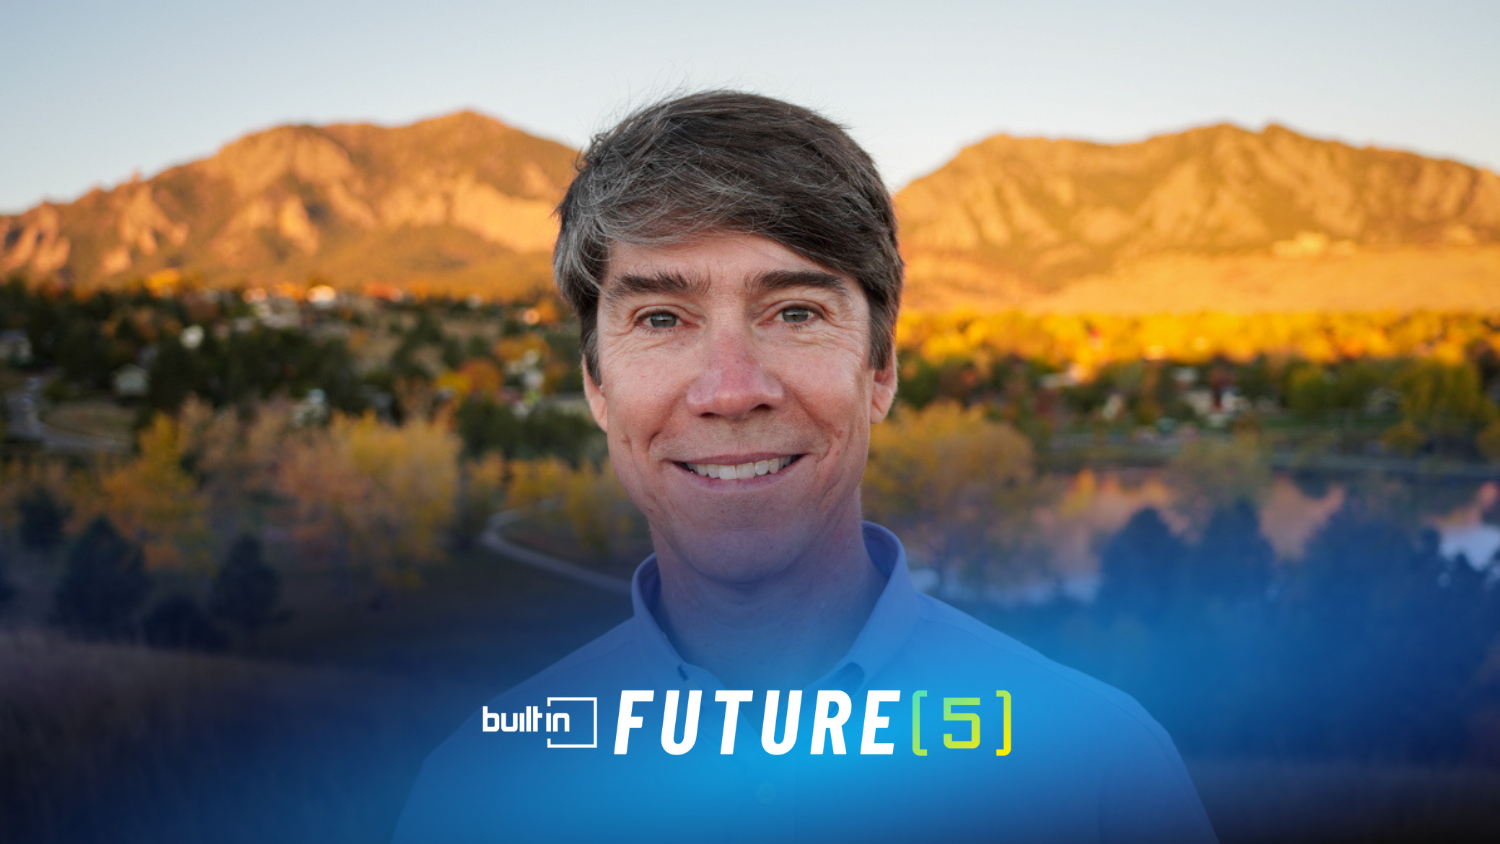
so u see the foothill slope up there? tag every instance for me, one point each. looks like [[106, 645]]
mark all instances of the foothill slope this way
[[1217, 218]]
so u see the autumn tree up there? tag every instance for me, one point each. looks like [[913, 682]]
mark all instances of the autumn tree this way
[[481, 495], [156, 503], [374, 497], [587, 502], [602, 517], [537, 483], [957, 484]]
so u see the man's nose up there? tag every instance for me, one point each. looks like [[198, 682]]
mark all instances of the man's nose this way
[[734, 380]]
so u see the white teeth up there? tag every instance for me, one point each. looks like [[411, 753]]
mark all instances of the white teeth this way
[[742, 471]]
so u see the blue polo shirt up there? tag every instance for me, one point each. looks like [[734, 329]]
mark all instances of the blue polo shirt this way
[[949, 730]]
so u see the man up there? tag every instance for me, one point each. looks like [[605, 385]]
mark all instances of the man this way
[[733, 263]]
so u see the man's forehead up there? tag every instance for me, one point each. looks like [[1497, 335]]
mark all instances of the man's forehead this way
[[748, 265]]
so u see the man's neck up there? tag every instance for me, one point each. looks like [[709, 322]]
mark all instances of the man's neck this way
[[784, 631]]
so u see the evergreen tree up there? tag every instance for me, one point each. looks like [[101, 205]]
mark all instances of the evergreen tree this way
[[173, 374], [1381, 640], [246, 589], [103, 586], [1142, 566], [7, 591], [1232, 563]]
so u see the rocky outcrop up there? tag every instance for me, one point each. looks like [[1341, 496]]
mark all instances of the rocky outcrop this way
[[462, 198], [33, 242], [1022, 221]]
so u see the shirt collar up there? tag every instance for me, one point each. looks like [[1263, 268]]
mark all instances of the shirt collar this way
[[890, 624]]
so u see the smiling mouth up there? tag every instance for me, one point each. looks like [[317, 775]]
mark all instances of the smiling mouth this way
[[740, 471]]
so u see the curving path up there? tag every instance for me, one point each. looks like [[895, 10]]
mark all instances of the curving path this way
[[494, 540]]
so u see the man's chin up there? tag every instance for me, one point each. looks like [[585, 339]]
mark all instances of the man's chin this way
[[744, 554]]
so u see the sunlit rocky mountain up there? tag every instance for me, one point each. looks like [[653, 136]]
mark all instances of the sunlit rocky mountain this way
[[462, 202], [1217, 218]]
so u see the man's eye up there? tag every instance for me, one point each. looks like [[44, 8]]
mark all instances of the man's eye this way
[[661, 320], [796, 314]]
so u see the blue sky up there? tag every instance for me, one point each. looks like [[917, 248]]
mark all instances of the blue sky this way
[[90, 91]]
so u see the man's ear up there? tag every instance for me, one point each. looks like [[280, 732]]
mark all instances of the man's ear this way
[[884, 394], [595, 394]]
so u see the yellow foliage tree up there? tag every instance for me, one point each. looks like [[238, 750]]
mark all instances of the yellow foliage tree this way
[[601, 515], [154, 502], [482, 495], [476, 375], [587, 502], [374, 496], [538, 482], [1092, 340], [957, 485]]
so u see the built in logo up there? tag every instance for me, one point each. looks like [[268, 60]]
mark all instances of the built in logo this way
[[563, 720]]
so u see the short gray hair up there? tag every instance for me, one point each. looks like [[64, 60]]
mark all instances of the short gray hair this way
[[727, 161]]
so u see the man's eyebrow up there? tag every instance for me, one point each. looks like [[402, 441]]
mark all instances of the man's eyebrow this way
[[669, 283], [778, 280]]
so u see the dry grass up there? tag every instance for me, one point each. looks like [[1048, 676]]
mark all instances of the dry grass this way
[[122, 743], [316, 739]]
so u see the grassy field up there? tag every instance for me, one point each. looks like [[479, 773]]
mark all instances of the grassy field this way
[[107, 742], [316, 733]]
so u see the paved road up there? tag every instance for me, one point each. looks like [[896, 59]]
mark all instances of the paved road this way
[[493, 539]]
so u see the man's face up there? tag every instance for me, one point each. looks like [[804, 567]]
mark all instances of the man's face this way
[[737, 397]]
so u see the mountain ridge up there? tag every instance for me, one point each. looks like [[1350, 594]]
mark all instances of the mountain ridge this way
[[461, 200], [1215, 217], [1019, 222]]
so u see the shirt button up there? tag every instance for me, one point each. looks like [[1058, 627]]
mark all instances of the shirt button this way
[[765, 793]]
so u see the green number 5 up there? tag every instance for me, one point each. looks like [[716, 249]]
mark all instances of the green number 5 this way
[[973, 719]]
